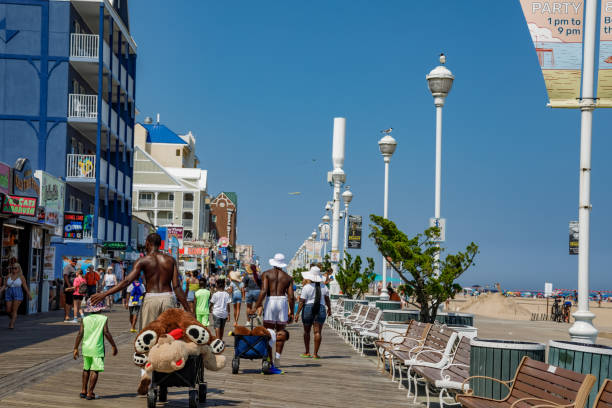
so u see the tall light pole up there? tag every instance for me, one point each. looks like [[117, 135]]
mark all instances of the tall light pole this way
[[440, 81], [583, 329], [347, 197], [338, 178], [387, 147], [325, 220]]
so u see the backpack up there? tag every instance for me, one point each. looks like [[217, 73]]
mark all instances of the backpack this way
[[83, 288], [136, 293], [90, 277]]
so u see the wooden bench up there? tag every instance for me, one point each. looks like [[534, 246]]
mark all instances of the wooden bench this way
[[347, 326], [451, 377], [537, 384], [604, 398], [366, 330], [436, 351], [415, 335]]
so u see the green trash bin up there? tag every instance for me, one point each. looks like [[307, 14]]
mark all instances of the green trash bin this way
[[336, 297], [400, 316], [372, 298], [466, 319], [499, 359], [582, 358], [388, 305]]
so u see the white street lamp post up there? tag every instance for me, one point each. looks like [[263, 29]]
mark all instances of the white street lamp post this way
[[387, 147], [583, 329], [338, 178], [440, 81], [347, 197], [325, 220]]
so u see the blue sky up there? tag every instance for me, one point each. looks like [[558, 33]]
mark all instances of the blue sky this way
[[259, 83]]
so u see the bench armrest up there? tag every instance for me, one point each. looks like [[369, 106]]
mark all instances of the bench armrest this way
[[447, 377], [546, 403], [504, 383]]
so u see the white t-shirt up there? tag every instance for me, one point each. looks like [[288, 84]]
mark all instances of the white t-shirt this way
[[309, 293], [220, 300], [110, 279]]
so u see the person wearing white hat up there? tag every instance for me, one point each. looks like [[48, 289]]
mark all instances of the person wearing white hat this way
[[277, 290], [314, 300]]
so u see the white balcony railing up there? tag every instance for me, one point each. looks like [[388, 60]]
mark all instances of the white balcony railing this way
[[128, 186], [109, 230], [111, 175], [106, 51], [165, 204], [84, 45], [81, 166], [82, 106], [144, 203], [129, 140], [123, 78], [188, 205], [113, 122], [103, 171], [164, 221], [130, 89], [126, 231], [188, 224], [122, 130], [115, 66]]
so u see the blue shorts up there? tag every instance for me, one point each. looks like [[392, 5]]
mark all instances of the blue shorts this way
[[190, 296], [237, 297], [308, 318], [14, 294], [252, 296]]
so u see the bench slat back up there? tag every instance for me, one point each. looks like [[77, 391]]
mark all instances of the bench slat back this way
[[372, 312], [555, 384], [417, 331], [460, 364], [438, 337], [604, 398]]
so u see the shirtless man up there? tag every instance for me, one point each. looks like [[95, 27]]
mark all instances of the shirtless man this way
[[161, 276], [277, 289]]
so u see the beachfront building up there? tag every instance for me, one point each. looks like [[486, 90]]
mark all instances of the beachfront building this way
[[175, 193], [67, 103]]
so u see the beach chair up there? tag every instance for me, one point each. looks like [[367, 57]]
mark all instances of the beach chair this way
[[436, 352], [448, 378], [536, 384], [353, 327], [346, 324], [415, 335], [368, 333], [604, 397]]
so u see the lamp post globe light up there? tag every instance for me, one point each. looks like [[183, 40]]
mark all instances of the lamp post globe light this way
[[387, 146], [347, 197], [440, 81], [325, 234]]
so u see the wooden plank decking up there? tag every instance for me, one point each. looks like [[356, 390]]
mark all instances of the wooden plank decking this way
[[341, 378]]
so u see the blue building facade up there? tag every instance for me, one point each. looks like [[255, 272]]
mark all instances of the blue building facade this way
[[67, 103]]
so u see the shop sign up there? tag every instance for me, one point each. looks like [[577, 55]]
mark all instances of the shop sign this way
[[73, 225], [24, 182], [224, 242], [115, 246], [5, 178], [175, 236], [52, 195], [196, 251], [17, 205]]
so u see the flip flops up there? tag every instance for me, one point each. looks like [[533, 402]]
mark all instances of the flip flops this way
[[94, 397], [316, 357], [83, 395], [306, 355]]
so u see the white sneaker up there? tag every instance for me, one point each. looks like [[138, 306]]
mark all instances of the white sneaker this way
[[74, 321]]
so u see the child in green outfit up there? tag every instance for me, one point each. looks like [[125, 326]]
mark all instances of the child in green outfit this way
[[202, 296], [94, 328]]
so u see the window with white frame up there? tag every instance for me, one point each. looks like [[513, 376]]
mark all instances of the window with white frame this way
[[79, 205], [72, 203], [146, 196]]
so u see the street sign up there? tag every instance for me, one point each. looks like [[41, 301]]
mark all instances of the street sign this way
[[548, 287], [223, 242], [440, 223], [574, 238]]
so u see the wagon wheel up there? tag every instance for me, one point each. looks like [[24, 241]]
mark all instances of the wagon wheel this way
[[193, 399], [202, 390], [265, 366], [151, 398], [235, 366], [163, 393]]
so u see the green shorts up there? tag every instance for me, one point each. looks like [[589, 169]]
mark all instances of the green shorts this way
[[203, 318], [93, 363]]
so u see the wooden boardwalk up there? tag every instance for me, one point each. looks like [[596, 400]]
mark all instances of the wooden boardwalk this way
[[42, 374]]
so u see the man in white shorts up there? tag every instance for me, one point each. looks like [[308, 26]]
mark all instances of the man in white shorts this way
[[277, 290]]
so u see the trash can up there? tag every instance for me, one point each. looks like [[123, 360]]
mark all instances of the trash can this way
[[582, 358], [336, 296], [372, 298], [388, 305], [499, 359], [349, 303], [400, 315], [466, 319]]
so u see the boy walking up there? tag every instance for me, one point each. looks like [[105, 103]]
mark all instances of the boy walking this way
[[94, 328], [202, 308], [220, 306], [136, 291]]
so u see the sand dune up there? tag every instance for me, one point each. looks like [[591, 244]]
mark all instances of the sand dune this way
[[495, 305]]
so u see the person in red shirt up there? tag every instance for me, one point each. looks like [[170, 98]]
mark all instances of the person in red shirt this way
[[92, 278]]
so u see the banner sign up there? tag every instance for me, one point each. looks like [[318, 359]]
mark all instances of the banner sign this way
[[116, 246], [325, 232], [24, 182], [604, 76], [52, 193], [49, 263], [354, 232], [440, 223], [223, 242], [16, 205], [175, 235], [5, 178], [196, 251], [73, 225], [556, 31], [573, 238]]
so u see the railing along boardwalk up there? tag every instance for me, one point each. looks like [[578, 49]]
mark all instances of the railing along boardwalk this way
[[339, 379]]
